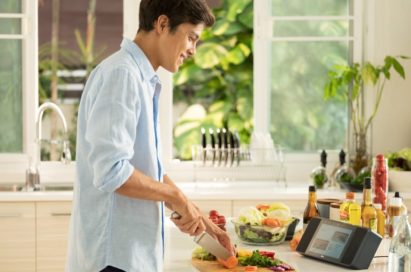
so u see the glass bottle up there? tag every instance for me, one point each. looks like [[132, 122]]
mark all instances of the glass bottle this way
[[350, 212], [368, 212], [404, 209], [319, 174], [394, 215], [311, 210], [344, 175], [380, 219], [379, 175], [399, 258]]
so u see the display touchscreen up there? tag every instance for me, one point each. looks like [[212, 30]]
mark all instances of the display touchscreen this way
[[329, 240]]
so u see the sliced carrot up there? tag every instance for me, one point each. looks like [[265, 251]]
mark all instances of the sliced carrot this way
[[251, 268], [263, 207], [272, 222], [231, 262]]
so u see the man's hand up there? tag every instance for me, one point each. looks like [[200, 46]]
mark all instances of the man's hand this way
[[190, 220], [219, 235]]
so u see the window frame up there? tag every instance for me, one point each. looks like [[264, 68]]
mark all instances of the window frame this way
[[12, 165]]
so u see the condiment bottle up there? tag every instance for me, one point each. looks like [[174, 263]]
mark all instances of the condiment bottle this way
[[344, 212], [399, 259], [311, 210], [404, 209], [394, 213], [380, 219], [379, 176], [368, 213], [350, 211], [354, 211]]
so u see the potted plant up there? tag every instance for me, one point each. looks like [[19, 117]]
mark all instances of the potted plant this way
[[349, 82]]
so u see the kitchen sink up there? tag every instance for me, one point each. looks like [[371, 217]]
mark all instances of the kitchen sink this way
[[18, 187]]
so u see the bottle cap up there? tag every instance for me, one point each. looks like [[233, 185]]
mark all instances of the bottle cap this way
[[311, 188], [378, 206], [396, 202], [349, 195], [397, 194], [367, 183]]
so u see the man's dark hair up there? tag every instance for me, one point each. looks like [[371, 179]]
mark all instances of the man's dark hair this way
[[177, 11]]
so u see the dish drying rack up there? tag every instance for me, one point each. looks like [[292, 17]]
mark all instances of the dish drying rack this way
[[237, 164]]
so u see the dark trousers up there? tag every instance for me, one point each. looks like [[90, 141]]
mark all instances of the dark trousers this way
[[111, 269]]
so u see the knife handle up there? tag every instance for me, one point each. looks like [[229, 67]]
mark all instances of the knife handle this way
[[175, 215]]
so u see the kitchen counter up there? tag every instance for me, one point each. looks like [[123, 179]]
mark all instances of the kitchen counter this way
[[222, 190], [179, 247]]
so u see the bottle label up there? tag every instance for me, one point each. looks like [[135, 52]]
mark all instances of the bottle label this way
[[373, 224], [344, 215]]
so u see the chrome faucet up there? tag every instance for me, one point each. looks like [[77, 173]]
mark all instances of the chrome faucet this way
[[32, 173]]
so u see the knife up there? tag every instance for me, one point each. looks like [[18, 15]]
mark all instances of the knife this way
[[204, 145], [213, 149], [209, 244], [219, 144], [225, 144]]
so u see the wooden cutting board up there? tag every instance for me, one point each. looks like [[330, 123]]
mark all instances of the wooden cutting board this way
[[214, 266]]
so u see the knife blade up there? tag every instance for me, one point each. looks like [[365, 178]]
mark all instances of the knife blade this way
[[212, 246], [207, 242]]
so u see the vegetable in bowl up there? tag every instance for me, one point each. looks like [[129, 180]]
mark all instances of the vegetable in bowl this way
[[264, 224], [400, 160]]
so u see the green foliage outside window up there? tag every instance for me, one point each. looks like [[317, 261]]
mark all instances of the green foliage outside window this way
[[217, 83]]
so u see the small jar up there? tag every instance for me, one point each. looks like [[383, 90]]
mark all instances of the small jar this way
[[324, 206], [335, 211]]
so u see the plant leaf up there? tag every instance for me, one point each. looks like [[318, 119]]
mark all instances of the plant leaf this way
[[398, 67], [209, 55], [224, 27], [369, 73]]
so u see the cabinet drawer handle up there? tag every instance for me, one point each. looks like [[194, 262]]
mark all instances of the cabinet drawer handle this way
[[10, 215], [61, 214]]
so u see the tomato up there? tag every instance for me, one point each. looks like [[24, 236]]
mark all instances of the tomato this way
[[213, 213], [269, 254], [221, 219]]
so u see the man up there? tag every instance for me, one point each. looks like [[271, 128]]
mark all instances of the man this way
[[118, 213]]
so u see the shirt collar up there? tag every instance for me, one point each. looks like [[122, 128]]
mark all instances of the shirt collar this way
[[147, 70]]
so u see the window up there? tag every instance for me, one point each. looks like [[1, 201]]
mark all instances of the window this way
[[295, 42], [11, 88], [302, 40], [214, 89], [17, 102]]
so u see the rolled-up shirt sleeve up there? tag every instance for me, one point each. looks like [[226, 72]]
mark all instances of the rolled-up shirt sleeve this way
[[111, 129]]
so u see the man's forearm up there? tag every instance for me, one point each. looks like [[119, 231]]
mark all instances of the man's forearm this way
[[141, 186]]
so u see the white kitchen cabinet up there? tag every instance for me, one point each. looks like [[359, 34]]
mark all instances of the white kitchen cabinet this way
[[53, 220], [17, 237]]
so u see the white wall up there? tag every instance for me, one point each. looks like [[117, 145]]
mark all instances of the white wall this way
[[392, 36]]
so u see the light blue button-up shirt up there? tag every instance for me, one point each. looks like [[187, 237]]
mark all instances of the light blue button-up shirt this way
[[117, 131]]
